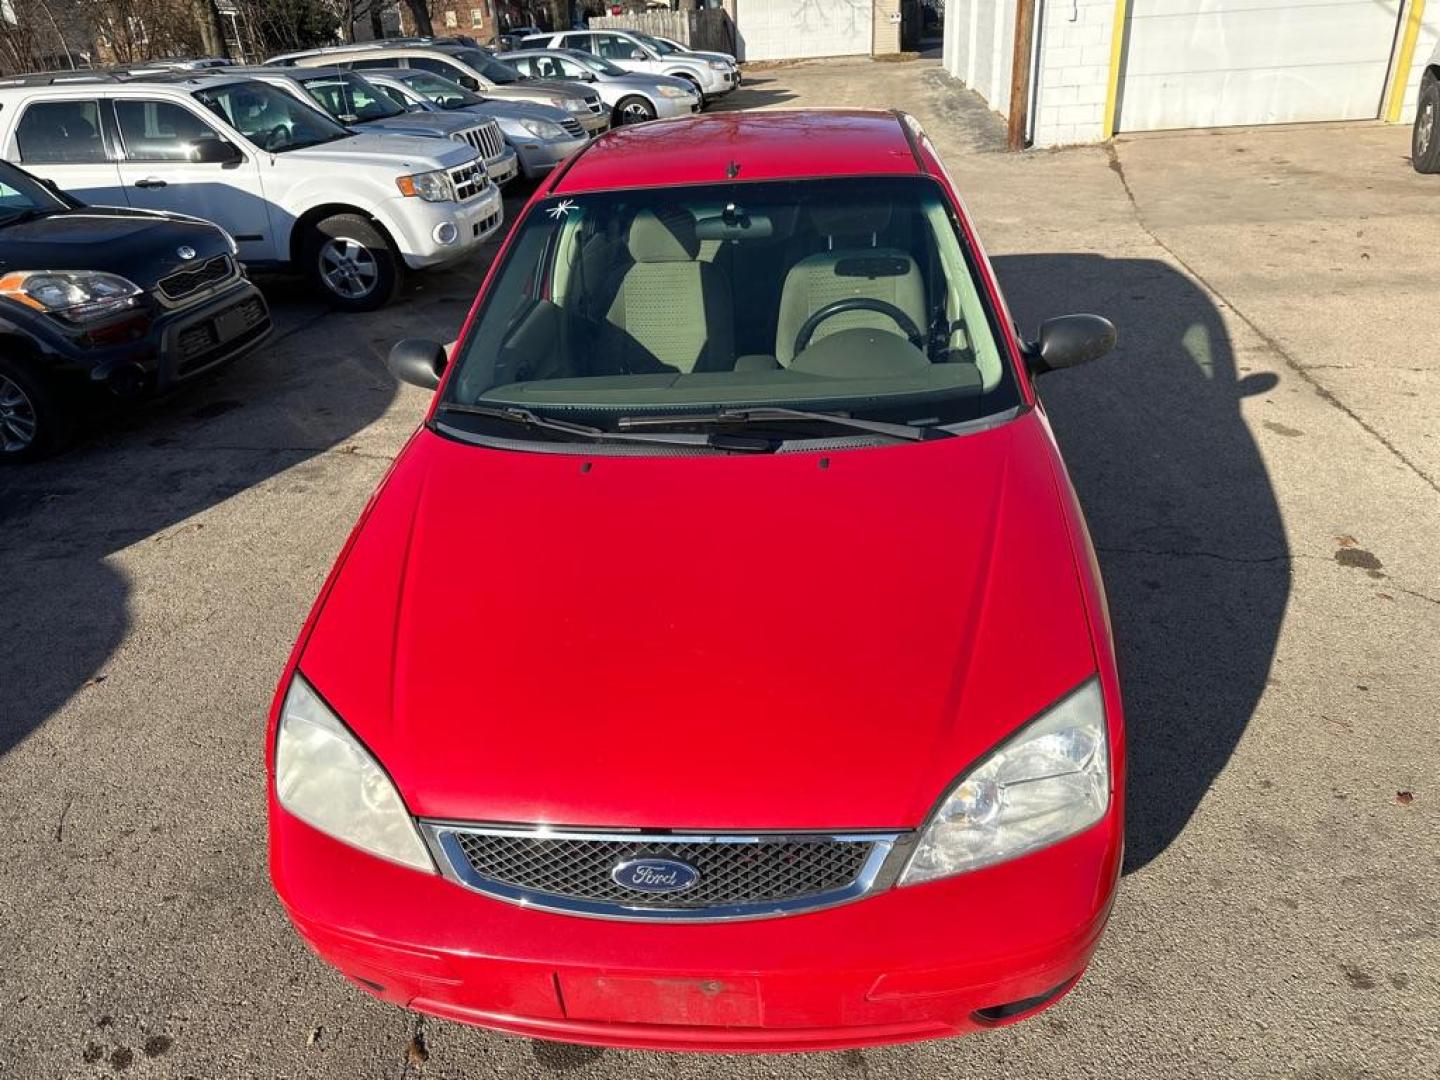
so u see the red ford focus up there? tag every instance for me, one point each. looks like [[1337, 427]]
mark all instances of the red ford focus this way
[[723, 664]]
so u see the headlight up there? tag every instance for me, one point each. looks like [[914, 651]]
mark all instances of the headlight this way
[[718, 65], [326, 778], [674, 92], [543, 129], [575, 105], [431, 186], [1049, 781], [78, 295]]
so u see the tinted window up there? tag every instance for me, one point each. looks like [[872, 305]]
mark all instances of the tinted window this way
[[160, 130], [269, 117], [376, 62], [61, 132], [443, 68], [582, 42], [617, 48], [350, 98]]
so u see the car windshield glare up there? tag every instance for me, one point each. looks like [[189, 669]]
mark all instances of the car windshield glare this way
[[269, 117], [351, 98], [486, 65], [856, 295], [441, 91], [22, 195]]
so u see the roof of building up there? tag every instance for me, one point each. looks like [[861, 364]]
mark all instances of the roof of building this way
[[759, 144]]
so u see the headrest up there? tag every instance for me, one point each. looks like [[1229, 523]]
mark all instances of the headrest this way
[[668, 236], [850, 219]]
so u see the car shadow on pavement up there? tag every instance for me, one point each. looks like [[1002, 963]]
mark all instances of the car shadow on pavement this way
[[1183, 516], [148, 475]]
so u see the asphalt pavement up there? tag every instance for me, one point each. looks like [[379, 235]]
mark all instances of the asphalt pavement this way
[[1261, 472]]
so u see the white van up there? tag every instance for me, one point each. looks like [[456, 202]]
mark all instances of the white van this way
[[292, 186]]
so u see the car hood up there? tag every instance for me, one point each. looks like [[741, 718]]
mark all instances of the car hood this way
[[411, 153], [785, 641], [710, 56], [518, 110], [539, 90], [422, 125], [139, 245], [650, 82]]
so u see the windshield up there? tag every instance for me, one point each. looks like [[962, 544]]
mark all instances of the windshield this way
[[664, 48], [442, 92], [22, 196], [486, 65], [594, 63], [853, 295], [350, 98], [269, 117]]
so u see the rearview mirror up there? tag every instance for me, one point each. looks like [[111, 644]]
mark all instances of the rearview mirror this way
[[214, 152], [1069, 341], [418, 362]]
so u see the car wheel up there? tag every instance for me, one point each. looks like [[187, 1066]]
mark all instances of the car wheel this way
[[352, 262], [633, 110], [1425, 138], [33, 422]]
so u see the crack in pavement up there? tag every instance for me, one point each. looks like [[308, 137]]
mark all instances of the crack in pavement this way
[[1301, 370]]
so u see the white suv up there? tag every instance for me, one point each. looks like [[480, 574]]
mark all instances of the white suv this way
[[633, 52], [292, 186]]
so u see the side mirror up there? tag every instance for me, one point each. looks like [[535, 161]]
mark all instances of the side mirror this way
[[469, 82], [214, 152], [1069, 341], [636, 54], [417, 362]]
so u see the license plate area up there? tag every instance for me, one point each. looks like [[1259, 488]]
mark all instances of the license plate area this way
[[230, 324], [633, 999]]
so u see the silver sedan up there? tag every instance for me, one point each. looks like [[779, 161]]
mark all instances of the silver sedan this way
[[632, 96]]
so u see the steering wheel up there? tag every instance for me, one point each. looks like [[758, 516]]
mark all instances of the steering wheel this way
[[276, 137], [858, 303]]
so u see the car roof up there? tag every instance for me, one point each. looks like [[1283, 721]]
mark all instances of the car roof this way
[[758, 144], [123, 80]]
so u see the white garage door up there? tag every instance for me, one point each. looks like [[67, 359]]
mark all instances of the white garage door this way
[[1212, 63], [787, 29]]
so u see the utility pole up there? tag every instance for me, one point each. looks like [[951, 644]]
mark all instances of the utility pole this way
[[1020, 75]]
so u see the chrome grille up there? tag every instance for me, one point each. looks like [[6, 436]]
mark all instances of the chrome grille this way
[[486, 139], [183, 283], [596, 105], [737, 876], [572, 127], [469, 180]]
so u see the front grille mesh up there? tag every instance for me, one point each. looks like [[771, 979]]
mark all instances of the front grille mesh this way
[[572, 127], [486, 139], [184, 282], [469, 180], [730, 873]]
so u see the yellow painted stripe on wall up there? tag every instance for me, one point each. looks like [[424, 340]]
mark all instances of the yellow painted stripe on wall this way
[[1117, 46], [1400, 77]]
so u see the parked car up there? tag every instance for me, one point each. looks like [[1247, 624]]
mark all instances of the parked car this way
[[632, 98], [670, 47], [349, 98], [1425, 136], [475, 69], [294, 188], [628, 50], [107, 303], [541, 136], [631, 778]]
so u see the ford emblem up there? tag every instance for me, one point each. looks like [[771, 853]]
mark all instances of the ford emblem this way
[[185, 251], [655, 875]]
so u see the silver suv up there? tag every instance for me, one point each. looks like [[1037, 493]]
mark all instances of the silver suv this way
[[473, 68], [351, 99]]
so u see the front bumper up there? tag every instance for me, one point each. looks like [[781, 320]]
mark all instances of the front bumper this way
[[903, 964], [594, 123], [668, 107], [503, 168], [414, 223], [156, 349], [538, 158]]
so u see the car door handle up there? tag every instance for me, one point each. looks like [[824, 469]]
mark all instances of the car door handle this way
[[150, 183]]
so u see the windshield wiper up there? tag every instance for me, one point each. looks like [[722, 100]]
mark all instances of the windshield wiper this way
[[770, 414], [526, 418]]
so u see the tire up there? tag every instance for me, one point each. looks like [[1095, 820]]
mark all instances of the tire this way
[[352, 263], [1425, 136], [632, 110], [34, 422]]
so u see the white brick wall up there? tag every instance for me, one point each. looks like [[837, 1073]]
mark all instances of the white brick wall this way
[[1074, 71], [1073, 61]]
